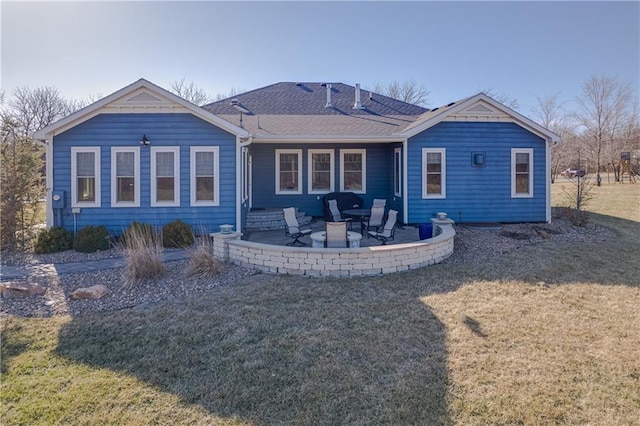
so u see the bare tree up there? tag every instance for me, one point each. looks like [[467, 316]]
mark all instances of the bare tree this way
[[549, 113], [33, 109], [232, 92], [407, 91], [603, 107], [503, 98], [189, 92]]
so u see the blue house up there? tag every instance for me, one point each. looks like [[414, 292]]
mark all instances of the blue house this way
[[144, 154]]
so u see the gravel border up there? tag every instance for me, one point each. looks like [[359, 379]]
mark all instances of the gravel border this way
[[471, 245]]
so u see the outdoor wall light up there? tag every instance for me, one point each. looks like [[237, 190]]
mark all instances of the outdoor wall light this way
[[478, 159], [145, 141]]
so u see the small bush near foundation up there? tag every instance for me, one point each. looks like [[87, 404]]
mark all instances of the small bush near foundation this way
[[575, 216], [91, 239], [53, 240], [202, 263], [143, 254], [177, 234]]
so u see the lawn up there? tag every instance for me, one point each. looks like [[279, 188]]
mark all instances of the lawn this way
[[547, 334]]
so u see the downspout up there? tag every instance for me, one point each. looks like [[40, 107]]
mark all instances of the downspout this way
[[239, 145], [405, 178]]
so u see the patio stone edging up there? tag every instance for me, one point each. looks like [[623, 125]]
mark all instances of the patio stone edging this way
[[307, 261]]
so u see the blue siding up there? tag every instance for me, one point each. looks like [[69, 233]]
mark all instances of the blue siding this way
[[379, 171], [475, 194], [126, 130]]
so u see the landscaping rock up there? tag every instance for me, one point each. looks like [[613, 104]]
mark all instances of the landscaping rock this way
[[12, 290], [93, 292]]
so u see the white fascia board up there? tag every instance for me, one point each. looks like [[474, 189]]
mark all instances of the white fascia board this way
[[326, 139], [517, 117], [92, 110]]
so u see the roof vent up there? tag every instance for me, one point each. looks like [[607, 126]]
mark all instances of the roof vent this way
[[358, 104], [328, 104], [452, 103]]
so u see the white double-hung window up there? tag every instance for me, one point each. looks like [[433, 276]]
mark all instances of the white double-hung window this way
[[165, 176], [321, 171], [288, 171], [125, 177], [205, 175], [522, 173], [85, 176], [434, 173], [353, 170]]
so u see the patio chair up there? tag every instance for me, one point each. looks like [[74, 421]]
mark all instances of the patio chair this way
[[375, 220], [379, 202], [336, 233], [336, 216], [293, 229], [389, 230]]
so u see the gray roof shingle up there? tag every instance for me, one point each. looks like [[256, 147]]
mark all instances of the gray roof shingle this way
[[295, 109]]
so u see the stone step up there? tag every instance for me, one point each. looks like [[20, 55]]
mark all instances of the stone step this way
[[272, 219]]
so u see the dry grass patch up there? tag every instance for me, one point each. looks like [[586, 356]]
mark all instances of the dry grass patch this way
[[143, 252], [536, 354], [202, 264]]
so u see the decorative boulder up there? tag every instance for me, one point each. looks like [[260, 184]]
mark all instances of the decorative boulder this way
[[93, 292], [20, 289]]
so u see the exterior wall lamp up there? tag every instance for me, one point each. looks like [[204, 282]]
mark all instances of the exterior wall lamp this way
[[145, 141]]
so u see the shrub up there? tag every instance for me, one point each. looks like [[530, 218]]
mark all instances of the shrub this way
[[202, 263], [53, 240], [177, 234], [142, 249], [91, 239]]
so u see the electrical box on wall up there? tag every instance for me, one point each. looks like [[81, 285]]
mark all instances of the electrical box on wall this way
[[57, 199]]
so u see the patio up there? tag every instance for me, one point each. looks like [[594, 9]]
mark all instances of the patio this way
[[267, 251], [403, 234]]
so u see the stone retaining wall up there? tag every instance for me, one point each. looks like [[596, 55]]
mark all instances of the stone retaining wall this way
[[335, 262]]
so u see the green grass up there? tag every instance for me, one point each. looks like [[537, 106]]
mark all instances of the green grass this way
[[448, 344]]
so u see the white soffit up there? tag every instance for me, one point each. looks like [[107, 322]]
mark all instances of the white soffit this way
[[144, 101], [479, 111]]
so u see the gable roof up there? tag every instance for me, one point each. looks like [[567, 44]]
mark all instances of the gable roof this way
[[297, 111], [480, 107], [140, 96]]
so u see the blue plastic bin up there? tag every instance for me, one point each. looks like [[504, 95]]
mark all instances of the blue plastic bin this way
[[425, 230]]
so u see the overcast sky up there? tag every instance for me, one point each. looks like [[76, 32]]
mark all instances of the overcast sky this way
[[454, 49]]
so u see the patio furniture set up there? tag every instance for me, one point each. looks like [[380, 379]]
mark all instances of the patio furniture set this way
[[339, 231]]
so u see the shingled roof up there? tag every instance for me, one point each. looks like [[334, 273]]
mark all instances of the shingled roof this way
[[291, 109]]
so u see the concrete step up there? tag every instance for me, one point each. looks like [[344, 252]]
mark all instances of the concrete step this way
[[272, 219]]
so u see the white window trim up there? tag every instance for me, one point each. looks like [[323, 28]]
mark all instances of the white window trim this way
[[515, 151], [216, 175], [443, 153], [288, 151], [364, 169], [397, 176], [176, 176], [74, 176], [136, 177], [310, 153]]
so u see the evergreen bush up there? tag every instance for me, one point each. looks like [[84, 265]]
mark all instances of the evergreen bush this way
[[53, 240], [91, 239], [177, 234]]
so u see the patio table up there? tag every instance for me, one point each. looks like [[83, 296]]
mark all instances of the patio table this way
[[359, 213], [318, 239]]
